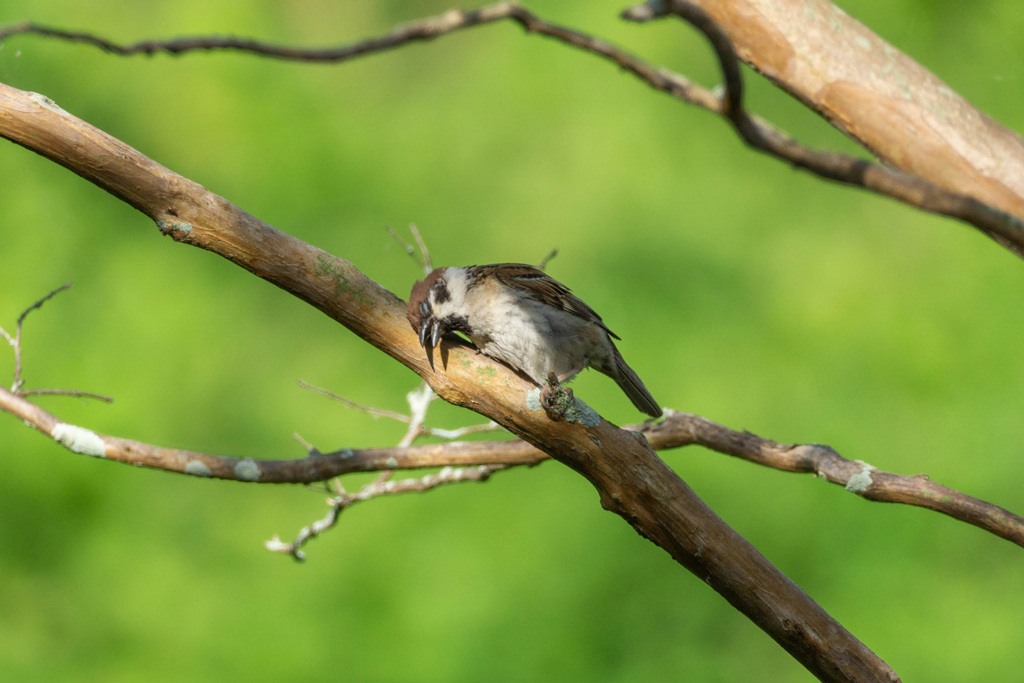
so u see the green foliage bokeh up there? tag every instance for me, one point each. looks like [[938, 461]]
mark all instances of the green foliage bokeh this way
[[744, 291]]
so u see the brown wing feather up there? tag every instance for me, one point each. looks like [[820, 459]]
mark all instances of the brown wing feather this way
[[546, 289]]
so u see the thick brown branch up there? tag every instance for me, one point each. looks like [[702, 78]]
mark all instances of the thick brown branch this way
[[917, 186], [631, 480]]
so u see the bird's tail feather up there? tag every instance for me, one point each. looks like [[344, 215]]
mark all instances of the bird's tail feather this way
[[634, 387]]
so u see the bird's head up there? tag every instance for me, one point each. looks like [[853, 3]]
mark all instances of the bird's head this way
[[437, 305]]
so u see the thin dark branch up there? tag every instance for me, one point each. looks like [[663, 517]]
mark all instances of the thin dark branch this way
[[66, 392], [1004, 228], [39, 304], [683, 429], [15, 341]]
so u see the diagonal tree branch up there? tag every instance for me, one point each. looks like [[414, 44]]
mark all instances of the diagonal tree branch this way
[[629, 477], [875, 94], [913, 185], [1004, 228]]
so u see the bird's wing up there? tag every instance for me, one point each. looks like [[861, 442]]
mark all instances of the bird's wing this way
[[547, 290]]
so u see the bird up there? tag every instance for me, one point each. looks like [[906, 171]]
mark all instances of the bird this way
[[523, 317]]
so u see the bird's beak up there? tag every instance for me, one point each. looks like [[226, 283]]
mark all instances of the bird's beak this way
[[435, 334], [430, 333], [425, 325]]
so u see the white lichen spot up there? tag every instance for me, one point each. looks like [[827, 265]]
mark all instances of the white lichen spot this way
[[46, 103], [391, 462], [533, 399], [79, 440], [862, 42], [860, 481], [580, 412], [183, 227], [248, 470], [197, 469], [345, 453]]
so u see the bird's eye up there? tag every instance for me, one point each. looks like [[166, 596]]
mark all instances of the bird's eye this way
[[424, 308]]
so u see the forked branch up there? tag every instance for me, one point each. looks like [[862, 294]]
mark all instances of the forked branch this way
[[1005, 228]]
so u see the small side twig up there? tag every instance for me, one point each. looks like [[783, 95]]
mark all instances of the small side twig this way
[[448, 475], [547, 259], [15, 343], [428, 264], [67, 392], [369, 410], [423, 259], [39, 304], [419, 403]]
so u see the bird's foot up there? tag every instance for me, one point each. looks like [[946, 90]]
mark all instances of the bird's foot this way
[[555, 398]]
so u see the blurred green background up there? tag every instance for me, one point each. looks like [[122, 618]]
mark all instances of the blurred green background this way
[[744, 291]]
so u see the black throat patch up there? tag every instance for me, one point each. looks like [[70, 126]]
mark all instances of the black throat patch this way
[[441, 293]]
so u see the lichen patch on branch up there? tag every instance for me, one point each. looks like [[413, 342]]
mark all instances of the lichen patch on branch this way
[[79, 440]]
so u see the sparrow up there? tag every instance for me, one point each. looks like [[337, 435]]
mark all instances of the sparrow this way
[[524, 318]]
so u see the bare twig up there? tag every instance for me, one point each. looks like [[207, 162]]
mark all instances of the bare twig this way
[[419, 403], [428, 264], [310, 448], [547, 259], [452, 434], [369, 410], [423, 259], [39, 304], [448, 475], [15, 343], [66, 392], [419, 400], [1003, 227]]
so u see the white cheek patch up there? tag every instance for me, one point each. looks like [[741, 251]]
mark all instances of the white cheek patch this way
[[455, 303]]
